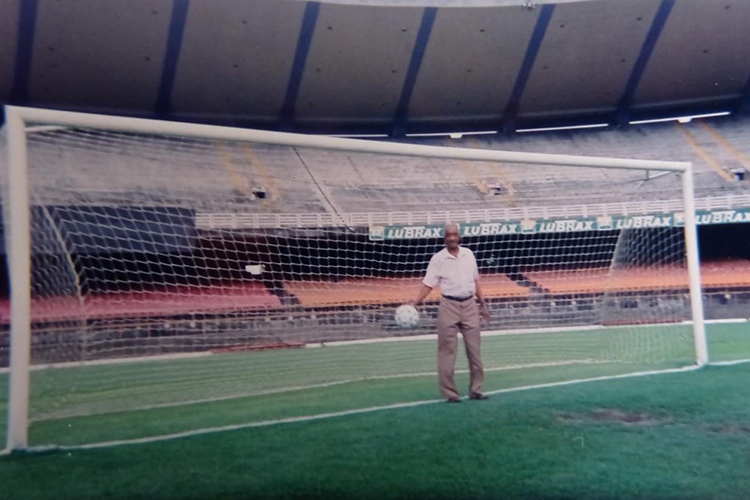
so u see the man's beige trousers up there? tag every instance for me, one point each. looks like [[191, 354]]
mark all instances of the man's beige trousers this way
[[454, 316]]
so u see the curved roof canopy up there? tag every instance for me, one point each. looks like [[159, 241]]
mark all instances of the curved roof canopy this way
[[378, 66]]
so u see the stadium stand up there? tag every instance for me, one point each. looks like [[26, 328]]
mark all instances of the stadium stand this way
[[271, 179], [727, 274], [354, 292], [381, 291], [162, 302], [371, 183]]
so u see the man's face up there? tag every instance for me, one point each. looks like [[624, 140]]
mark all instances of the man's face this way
[[451, 237]]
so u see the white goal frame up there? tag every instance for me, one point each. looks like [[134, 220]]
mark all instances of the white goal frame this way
[[19, 236]]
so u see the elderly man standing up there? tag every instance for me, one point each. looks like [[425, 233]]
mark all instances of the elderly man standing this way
[[455, 270]]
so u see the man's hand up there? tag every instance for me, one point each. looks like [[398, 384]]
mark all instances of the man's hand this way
[[484, 308], [484, 311]]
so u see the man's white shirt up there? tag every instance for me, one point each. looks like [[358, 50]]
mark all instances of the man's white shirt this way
[[456, 276]]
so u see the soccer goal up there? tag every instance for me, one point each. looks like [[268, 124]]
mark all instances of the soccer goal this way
[[165, 267]]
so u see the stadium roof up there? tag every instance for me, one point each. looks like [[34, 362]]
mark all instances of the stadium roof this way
[[378, 66]]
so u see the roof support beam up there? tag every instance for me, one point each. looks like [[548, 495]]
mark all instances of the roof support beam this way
[[508, 123], [307, 30], [171, 56], [417, 55], [657, 25], [19, 94]]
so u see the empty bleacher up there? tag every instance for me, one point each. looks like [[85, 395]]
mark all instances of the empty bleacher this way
[[223, 177], [615, 294], [173, 301], [360, 183], [164, 320], [380, 291], [721, 275], [353, 292], [248, 314]]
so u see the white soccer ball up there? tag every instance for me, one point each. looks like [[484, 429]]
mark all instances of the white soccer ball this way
[[407, 316]]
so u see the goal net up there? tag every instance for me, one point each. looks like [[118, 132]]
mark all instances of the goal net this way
[[175, 266]]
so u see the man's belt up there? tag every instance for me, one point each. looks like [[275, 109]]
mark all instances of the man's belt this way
[[458, 299]]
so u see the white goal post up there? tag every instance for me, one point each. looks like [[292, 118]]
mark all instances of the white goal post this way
[[18, 119]]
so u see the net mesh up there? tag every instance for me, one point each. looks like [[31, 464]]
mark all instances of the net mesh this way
[[147, 245]]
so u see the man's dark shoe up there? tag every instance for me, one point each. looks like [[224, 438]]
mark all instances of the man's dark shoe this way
[[479, 396], [454, 400]]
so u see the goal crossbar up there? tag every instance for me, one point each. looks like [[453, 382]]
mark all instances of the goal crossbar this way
[[142, 125]]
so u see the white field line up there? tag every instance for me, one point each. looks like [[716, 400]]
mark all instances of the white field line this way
[[525, 331], [322, 416], [117, 361], [412, 338], [321, 385], [721, 321], [493, 333], [433, 336], [730, 363]]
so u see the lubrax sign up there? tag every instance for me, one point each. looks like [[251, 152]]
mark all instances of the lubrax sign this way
[[540, 226]]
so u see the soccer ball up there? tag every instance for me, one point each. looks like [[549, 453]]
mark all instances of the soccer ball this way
[[407, 316]]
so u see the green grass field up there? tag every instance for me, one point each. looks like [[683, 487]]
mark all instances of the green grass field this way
[[669, 436], [681, 435]]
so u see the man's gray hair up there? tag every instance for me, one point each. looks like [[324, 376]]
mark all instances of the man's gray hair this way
[[451, 224]]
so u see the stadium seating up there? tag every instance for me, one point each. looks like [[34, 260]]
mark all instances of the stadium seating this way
[[717, 276], [726, 274], [174, 301], [357, 183], [371, 291]]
